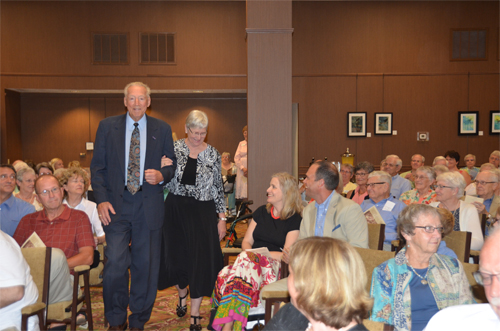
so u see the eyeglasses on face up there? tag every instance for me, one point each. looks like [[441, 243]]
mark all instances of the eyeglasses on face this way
[[430, 229], [442, 187], [421, 177], [373, 184], [198, 134], [485, 279], [482, 182], [54, 191], [361, 174]]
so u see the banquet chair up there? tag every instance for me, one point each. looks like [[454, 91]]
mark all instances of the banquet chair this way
[[376, 236], [459, 242]]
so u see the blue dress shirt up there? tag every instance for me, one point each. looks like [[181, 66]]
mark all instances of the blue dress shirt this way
[[389, 217], [321, 210], [11, 212], [399, 186]]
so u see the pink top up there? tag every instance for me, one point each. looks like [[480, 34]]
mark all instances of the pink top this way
[[359, 198]]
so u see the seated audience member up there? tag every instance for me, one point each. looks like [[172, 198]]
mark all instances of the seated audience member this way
[[495, 158], [75, 181], [228, 168], [18, 165], [44, 168], [17, 288], [74, 164], [471, 189], [26, 182], [440, 160], [439, 169], [453, 159], [12, 209], [484, 316], [417, 160], [347, 172], [449, 190], [56, 163], [399, 184], [496, 221], [59, 173], [379, 191], [362, 170], [447, 220], [486, 185], [275, 226], [335, 298], [413, 286], [422, 193], [470, 162]]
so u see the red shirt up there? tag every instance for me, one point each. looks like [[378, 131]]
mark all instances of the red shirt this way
[[69, 232]]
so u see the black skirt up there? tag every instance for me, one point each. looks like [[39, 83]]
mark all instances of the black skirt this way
[[191, 253]]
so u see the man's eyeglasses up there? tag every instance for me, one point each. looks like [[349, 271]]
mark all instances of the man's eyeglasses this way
[[430, 229], [373, 184], [482, 182], [198, 134], [484, 279], [47, 192], [4, 177]]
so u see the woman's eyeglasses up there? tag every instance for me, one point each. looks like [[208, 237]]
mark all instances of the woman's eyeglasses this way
[[430, 229]]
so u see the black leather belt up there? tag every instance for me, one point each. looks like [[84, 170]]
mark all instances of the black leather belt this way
[[140, 188]]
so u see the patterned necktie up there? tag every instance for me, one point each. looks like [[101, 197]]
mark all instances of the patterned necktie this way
[[134, 161]]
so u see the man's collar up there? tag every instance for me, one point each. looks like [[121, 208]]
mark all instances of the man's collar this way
[[385, 199], [142, 122], [42, 216], [327, 200], [10, 201]]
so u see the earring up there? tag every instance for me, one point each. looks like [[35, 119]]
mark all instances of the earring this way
[[408, 245]]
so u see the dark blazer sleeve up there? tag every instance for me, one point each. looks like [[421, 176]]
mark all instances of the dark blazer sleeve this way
[[168, 150], [98, 167]]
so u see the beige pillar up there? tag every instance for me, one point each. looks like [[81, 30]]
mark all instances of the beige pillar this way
[[269, 55]]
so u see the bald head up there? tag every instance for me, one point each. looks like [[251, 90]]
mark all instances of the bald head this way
[[489, 265]]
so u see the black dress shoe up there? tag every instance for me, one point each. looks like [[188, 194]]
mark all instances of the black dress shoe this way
[[118, 327]]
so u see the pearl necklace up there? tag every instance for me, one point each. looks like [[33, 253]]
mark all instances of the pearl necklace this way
[[423, 279]]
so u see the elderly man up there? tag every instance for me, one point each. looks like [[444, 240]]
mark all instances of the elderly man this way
[[128, 180], [379, 191], [495, 158], [486, 185], [417, 160], [12, 209], [479, 316], [440, 160], [399, 185]]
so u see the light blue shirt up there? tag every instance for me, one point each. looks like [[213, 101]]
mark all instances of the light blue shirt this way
[[389, 216], [321, 210], [128, 134], [11, 212], [399, 186]]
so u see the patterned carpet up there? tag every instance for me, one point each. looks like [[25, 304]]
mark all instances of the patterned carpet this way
[[164, 316]]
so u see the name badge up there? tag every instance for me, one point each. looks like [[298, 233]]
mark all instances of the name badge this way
[[389, 205]]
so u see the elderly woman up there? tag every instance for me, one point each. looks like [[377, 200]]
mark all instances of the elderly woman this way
[[228, 168], [361, 172], [341, 303], [241, 160], [410, 288], [495, 158], [449, 189], [275, 226], [57, 163], [453, 159], [470, 168], [191, 253], [422, 193], [44, 168], [75, 182], [347, 172], [26, 182]]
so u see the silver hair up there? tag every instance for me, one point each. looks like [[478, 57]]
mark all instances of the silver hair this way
[[437, 158], [21, 172], [494, 172], [429, 171], [129, 85], [423, 158], [384, 176], [496, 153], [349, 166], [470, 155], [455, 180], [399, 162], [197, 119]]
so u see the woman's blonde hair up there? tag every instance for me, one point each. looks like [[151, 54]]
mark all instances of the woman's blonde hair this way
[[75, 171], [292, 203], [336, 294]]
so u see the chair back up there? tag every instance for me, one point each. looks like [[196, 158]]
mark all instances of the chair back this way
[[477, 290], [377, 326], [376, 236], [459, 242], [371, 259], [484, 218], [38, 258]]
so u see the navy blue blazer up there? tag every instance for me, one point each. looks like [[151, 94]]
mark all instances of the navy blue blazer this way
[[108, 166]]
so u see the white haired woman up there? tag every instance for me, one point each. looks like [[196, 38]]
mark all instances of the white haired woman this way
[[422, 193], [191, 254], [26, 182], [449, 189]]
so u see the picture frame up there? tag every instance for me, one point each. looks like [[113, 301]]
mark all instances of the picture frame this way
[[468, 123], [383, 123], [494, 122], [356, 124]]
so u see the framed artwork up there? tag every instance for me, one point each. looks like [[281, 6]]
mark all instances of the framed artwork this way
[[356, 124], [383, 123], [495, 122], [468, 122]]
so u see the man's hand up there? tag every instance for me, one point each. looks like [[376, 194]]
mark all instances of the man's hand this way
[[481, 208], [285, 257], [153, 176], [103, 210]]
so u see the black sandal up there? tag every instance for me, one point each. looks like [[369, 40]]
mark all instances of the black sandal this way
[[182, 310], [195, 326]]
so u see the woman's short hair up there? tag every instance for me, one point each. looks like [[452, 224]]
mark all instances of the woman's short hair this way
[[399, 162], [455, 180], [54, 160], [75, 171], [453, 154], [337, 293], [384, 176], [43, 165], [292, 203], [437, 158], [148, 90], [226, 154], [487, 166], [470, 155], [429, 171], [410, 215], [348, 166], [440, 169], [366, 166], [74, 164], [21, 172], [197, 119], [245, 128], [495, 153]]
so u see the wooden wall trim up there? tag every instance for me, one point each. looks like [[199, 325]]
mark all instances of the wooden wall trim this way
[[393, 74], [33, 74], [254, 30]]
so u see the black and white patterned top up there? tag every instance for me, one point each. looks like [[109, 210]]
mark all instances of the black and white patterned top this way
[[208, 176]]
